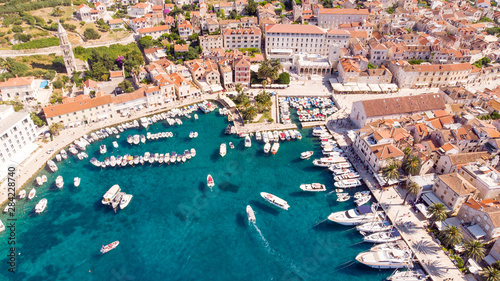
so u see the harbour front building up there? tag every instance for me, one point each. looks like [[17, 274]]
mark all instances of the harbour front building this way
[[332, 18], [242, 38]]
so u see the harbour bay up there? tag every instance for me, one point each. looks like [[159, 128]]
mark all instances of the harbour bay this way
[[175, 228]]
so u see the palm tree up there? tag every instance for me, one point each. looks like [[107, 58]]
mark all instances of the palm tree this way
[[412, 188], [412, 165], [264, 84], [438, 212], [474, 249], [391, 170], [491, 274], [451, 236], [239, 88], [55, 128]]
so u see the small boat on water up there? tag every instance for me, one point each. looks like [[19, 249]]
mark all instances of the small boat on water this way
[[360, 194], [306, 155], [258, 136], [39, 181], [137, 139], [250, 214], [110, 194], [339, 190], [193, 152], [22, 194], [44, 178], [125, 200], [76, 181], [276, 201], [64, 155], [52, 166], [40, 206], [59, 182], [115, 144], [347, 176], [223, 149], [130, 139], [343, 197], [32, 194], [195, 116], [109, 247], [267, 147], [374, 226], [231, 145], [347, 183], [363, 200], [383, 237], [337, 166], [248, 141], [210, 182], [143, 139], [2, 226], [58, 157], [315, 187], [388, 259], [275, 147], [103, 149]]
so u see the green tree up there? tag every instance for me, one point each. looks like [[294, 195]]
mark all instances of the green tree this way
[[58, 84], [412, 165], [412, 188], [269, 70], [490, 274], [251, 8], [239, 88], [371, 66], [55, 128], [37, 120], [451, 236], [146, 42], [391, 170], [438, 212], [474, 250], [91, 34], [283, 78]]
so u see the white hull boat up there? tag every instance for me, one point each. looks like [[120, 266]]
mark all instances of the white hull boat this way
[[59, 182], [125, 200], [32, 194], [383, 237], [76, 181], [250, 214], [40, 206], [359, 215], [388, 259], [276, 201], [306, 155], [223, 150], [314, 187], [267, 147]]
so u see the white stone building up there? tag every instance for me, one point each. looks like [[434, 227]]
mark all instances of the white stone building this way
[[332, 18], [22, 88]]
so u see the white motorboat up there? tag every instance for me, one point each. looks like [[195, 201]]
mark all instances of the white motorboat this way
[[32, 194], [137, 139], [59, 182], [258, 136], [143, 139], [359, 215], [275, 147], [250, 214], [347, 176], [144, 122], [102, 149], [360, 194], [2, 226], [146, 156], [110, 194], [276, 201], [52, 166], [363, 200], [231, 145], [315, 187], [187, 154], [265, 137], [327, 162], [408, 275], [183, 158], [115, 144], [223, 150], [64, 155], [267, 147], [306, 155], [120, 128], [125, 200], [195, 135], [191, 134], [166, 158], [210, 181], [388, 259], [248, 141], [347, 183], [39, 181], [398, 245], [112, 161], [76, 181], [58, 157], [195, 116], [95, 162], [340, 166], [22, 194], [130, 139], [40, 206], [339, 190], [343, 197], [44, 178], [374, 226], [383, 237], [193, 152]]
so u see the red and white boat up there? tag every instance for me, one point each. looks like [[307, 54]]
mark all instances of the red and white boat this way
[[275, 147], [210, 181], [109, 247], [276, 201]]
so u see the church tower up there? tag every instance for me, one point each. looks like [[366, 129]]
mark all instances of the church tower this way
[[67, 51]]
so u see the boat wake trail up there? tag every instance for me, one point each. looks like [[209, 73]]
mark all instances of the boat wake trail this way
[[266, 244]]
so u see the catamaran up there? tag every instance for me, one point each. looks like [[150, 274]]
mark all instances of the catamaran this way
[[276, 201]]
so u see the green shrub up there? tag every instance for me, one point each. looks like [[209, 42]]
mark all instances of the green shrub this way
[[17, 29], [37, 44], [91, 34]]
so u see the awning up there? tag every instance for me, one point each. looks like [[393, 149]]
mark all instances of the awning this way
[[477, 231], [374, 88], [421, 207], [430, 198], [217, 88], [474, 268]]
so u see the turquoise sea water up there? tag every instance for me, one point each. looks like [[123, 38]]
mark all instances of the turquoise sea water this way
[[175, 228]]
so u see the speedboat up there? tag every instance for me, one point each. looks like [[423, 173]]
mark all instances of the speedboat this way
[[173, 157], [383, 237], [109, 247], [276, 201], [250, 214], [347, 183], [388, 259], [359, 215], [223, 150], [339, 190], [39, 181], [275, 147], [115, 144], [22, 194], [347, 176], [210, 181], [52, 166], [248, 141], [191, 134], [44, 178], [110, 194], [267, 147], [40, 206], [125, 200], [363, 200], [143, 139], [58, 157], [187, 154], [193, 152], [306, 155], [64, 155], [195, 135], [374, 226], [59, 182], [339, 166], [102, 148], [315, 187], [112, 161], [76, 181], [231, 145], [195, 116], [166, 158], [32, 194]]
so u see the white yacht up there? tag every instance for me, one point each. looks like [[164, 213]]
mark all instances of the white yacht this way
[[39, 181], [125, 200], [248, 141], [408, 275], [40, 206], [347, 176], [267, 147], [258, 136], [363, 200], [374, 226], [359, 215], [76, 181], [250, 214], [22, 194], [276, 201], [223, 150], [137, 139], [144, 122], [115, 144], [59, 182], [386, 259], [383, 237], [306, 155], [315, 187], [110, 194], [347, 183], [64, 155], [327, 162]]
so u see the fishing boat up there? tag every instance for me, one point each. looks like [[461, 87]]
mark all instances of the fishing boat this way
[[76, 181], [210, 181], [59, 182], [359, 215], [31, 194], [193, 152], [22, 194], [306, 155], [115, 144], [276, 201], [143, 139], [383, 237], [52, 166], [388, 259], [223, 149], [347, 176], [360, 194], [110, 194], [315, 187], [275, 147], [250, 214], [408, 275], [40, 206], [64, 155], [347, 183], [39, 181], [363, 200], [109, 247], [231, 145], [374, 226], [248, 141], [267, 147], [125, 200]]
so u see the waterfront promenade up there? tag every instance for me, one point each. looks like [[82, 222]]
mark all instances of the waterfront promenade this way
[[413, 230]]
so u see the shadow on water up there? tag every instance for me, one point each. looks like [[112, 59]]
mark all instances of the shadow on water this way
[[227, 186], [301, 194], [215, 155], [298, 160], [241, 220], [203, 187], [311, 169], [264, 207]]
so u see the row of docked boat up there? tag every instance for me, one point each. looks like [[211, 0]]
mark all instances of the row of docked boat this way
[[122, 161], [115, 198], [159, 135], [135, 139], [207, 107], [321, 108], [275, 136], [171, 116]]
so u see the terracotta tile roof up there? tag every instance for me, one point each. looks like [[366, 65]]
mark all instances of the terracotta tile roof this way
[[141, 6], [386, 151], [400, 105], [465, 158], [242, 31], [165, 28], [358, 34], [17, 81], [457, 183], [137, 94], [494, 104], [115, 21], [79, 103], [294, 28], [115, 74], [448, 146], [179, 48], [338, 32], [344, 11], [242, 63], [90, 84]]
